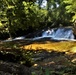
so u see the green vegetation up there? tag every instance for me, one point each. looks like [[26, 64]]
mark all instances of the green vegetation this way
[[70, 8], [63, 71], [20, 57], [19, 17], [22, 15]]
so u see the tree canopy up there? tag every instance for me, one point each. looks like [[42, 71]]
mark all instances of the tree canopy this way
[[23, 14], [71, 8]]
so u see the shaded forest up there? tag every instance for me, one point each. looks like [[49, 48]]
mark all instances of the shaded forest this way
[[36, 57], [18, 18]]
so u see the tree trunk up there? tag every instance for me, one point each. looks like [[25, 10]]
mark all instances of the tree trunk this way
[[9, 29]]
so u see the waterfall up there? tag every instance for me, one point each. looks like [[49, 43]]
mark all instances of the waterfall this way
[[48, 33], [60, 33], [57, 34]]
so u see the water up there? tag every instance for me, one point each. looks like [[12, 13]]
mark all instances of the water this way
[[53, 34], [65, 33], [58, 34], [48, 33]]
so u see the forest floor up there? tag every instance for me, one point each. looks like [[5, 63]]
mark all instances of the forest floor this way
[[51, 57]]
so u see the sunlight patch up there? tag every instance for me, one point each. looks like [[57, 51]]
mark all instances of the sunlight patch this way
[[73, 50]]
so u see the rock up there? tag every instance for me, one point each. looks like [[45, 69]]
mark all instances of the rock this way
[[74, 60], [13, 68]]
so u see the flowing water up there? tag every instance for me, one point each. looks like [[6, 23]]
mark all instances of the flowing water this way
[[65, 33], [59, 34]]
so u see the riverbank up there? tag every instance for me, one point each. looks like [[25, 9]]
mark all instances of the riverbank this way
[[47, 57]]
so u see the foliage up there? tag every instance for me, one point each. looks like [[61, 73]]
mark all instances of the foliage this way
[[64, 71], [57, 12], [71, 8], [12, 53], [16, 14]]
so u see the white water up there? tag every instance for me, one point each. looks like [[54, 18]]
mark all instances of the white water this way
[[58, 34], [65, 33], [54, 34], [48, 33]]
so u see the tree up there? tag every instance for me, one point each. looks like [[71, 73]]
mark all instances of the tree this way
[[71, 8], [23, 14], [20, 15], [57, 12]]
